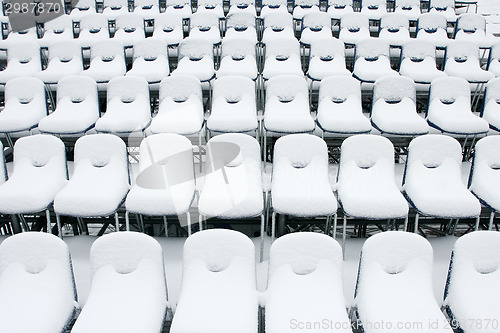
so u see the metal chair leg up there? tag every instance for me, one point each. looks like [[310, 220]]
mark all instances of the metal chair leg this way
[[344, 231], [273, 227], [492, 217], [49, 226], [188, 216], [117, 222], [127, 221], [334, 225], [165, 225], [262, 219], [476, 227], [200, 222], [416, 224], [406, 224]]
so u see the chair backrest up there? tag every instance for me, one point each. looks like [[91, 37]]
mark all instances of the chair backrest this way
[[306, 3], [327, 48], [238, 49], [282, 49], [24, 53], [128, 89], [418, 50], [340, 3], [278, 21], [168, 21], [287, 88], [460, 51], [195, 49], [393, 89], [233, 88], [240, 21], [59, 24], [274, 3], [210, 3], [179, 3], [115, 4], [204, 21], [339, 88], [107, 50], [485, 165], [407, 4], [129, 22], [442, 4], [492, 92], [146, 3], [77, 88], [394, 22], [85, 4], [28, 94], [449, 89], [102, 150], [372, 49], [373, 4], [65, 51], [354, 22], [316, 21], [431, 22], [94, 23], [180, 88], [150, 49], [469, 23]]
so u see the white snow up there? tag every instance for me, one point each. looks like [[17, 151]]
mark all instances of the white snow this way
[[327, 59], [93, 28], [57, 30], [168, 26], [462, 60], [419, 61], [277, 26], [492, 104], [394, 29], [205, 25], [36, 276], [23, 59], [150, 60], [129, 29], [374, 9], [338, 8], [444, 7], [316, 25], [282, 57], [433, 178], [354, 27], [107, 60], [472, 27], [300, 184], [196, 58], [179, 7], [372, 60], [241, 25], [65, 59], [432, 28], [408, 8], [494, 61], [238, 58], [366, 187]]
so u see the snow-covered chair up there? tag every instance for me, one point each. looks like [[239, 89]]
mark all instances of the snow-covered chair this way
[[181, 8], [23, 59], [394, 108], [238, 57], [150, 61], [418, 62], [315, 26], [282, 57], [472, 286], [65, 58], [57, 30], [449, 108], [241, 26], [365, 182], [29, 35], [278, 26], [432, 180], [205, 26], [168, 27], [165, 185], [326, 58], [408, 8], [39, 173], [338, 8], [374, 9], [300, 185], [491, 104], [303, 7], [25, 105], [180, 106], [445, 8], [114, 8], [36, 276], [77, 107], [212, 258], [432, 28], [128, 107], [305, 281], [494, 60], [82, 8], [462, 60], [472, 28], [215, 7], [147, 9], [339, 106], [242, 6], [394, 29], [128, 276], [484, 177], [273, 6], [287, 108], [129, 29], [234, 106], [100, 179], [93, 29], [354, 28], [107, 61], [372, 60], [196, 57], [233, 180], [397, 267]]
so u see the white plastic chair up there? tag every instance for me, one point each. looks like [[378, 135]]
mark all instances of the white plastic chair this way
[[215, 7], [93, 29], [449, 108], [397, 267], [39, 173], [494, 60], [278, 26], [114, 8], [305, 279], [445, 8], [472, 283], [394, 29], [29, 35], [211, 259], [432, 180], [408, 8], [327, 59], [462, 60], [300, 185], [394, 109], [196, 57], [23, 59], [65, 59], [372, 60], [491, 105], [150, 61], [303, 7], [374, 9], [315, 26], [82, 8], [338, 8], [472, 28], [129, 29], [128, 275], [238, 57], [241, 26], [128, 107], [30, 264], [147, 9], [180, 106], [282, 57], [168, 27], [432, 28], [418, 62], [179, 7], [354, 28], [77, 107], [107, 61], [242, 6], [205, 26], [273, 6], [57, 30], [25, 105], [339, 106]]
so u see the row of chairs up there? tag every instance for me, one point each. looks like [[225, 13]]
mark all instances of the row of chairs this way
[[233, 188], [304, 276], [233, 107]]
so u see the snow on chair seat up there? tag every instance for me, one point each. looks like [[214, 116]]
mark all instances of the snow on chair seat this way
[[462, 60], [484, 178], [168, 27], [114, 8], [494, 60], [100, 180], [373, 9], [472, 27], [339, 106], [449, 108], [418, 62], [287, 107], [93, 29], [36, 277], [338, 8], [303, 7], [432, 180], [491, 104], [25, 105], [165, 185], [150, 61], [218, 284], [394, 285], [23, 59], [241, 26], [181, 8], [394, 29], [128, 107], [408, 8], [394, 109], [147, 9], [180, 106], [278, 26], [29, 35], [205, 26], [238, 57], [214, 7], [445, 8], [107, 61], [128, 292], [77, 107], [473, 284], [82, 8], [234, 106], [57, 30], [354, 27], [269, 7], [432, 28], [65, 59], [305, 281], [315, 26], [282, 57], [242, 6], [129, 29], [326, 59], [372, 60], [196, 57]]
